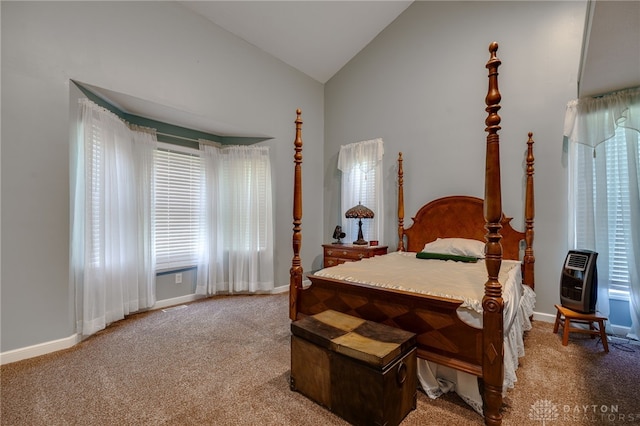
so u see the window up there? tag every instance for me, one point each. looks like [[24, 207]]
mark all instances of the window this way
[[139, 206], [361, 166], [178, 186], [613, 203], [614, 170]]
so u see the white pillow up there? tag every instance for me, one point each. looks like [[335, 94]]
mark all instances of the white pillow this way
[[457, 246]]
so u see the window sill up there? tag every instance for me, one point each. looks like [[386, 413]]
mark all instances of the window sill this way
[[174, 270], [618, 296]]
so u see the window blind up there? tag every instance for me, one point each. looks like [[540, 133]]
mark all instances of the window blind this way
[[619, 208], [95, 186], [178, 208], [368, 194]]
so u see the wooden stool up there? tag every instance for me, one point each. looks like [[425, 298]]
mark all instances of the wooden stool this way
[[564, 318]]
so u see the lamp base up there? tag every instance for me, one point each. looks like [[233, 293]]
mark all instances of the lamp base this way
[[360, 241]]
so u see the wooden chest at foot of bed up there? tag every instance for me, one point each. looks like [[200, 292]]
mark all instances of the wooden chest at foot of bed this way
[[362, 371]]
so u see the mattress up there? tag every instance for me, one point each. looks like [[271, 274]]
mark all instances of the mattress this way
[[453, 280]]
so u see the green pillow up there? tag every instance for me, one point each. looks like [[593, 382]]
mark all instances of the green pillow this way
[[441, 256]]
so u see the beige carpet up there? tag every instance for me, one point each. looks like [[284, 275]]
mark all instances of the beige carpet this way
[[225, 361]]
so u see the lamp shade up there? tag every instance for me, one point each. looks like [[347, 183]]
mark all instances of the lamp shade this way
[[359, 212]]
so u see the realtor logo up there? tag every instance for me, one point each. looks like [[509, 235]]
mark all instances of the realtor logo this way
[[544, 410]]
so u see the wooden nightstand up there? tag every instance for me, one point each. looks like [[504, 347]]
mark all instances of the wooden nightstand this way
[[335, 254]]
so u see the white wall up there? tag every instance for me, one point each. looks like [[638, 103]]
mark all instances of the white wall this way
[[421, 84], [156, 51]]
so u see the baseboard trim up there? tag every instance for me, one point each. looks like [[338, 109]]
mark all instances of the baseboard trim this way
[[541, 316], [620, 330], [39, 349], [161, 304], [281, 289]]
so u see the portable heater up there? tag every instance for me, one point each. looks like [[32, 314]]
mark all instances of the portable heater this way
[[579, 281]]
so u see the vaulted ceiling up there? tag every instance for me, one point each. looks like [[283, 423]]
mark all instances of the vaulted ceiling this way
[[315, 37], [320, 37]]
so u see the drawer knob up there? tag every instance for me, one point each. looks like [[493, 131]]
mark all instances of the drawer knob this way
[[330, 262], [344, 253], [360, 255], [329, 252]]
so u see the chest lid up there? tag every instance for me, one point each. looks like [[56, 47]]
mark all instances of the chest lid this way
[[373, 343]]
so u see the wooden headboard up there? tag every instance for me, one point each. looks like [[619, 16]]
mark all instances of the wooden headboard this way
[[458, 217]]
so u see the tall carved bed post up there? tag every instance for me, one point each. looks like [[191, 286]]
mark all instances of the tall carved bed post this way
[[529, 259], [492, 302], [295, 282], [400, 204]]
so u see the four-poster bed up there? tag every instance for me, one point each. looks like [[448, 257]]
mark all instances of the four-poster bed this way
[[442, 336]]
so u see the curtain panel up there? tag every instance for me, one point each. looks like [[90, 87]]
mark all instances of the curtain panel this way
[[238, 248], [361, 166], [112, 267], [604, 181]]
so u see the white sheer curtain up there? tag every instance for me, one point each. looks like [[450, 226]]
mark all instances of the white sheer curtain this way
[[111, 238], [210, 271], [145, 144], [361, 166], [238, 252], [600, 163]]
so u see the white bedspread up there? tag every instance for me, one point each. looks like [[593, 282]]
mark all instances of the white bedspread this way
[[454, 280], [403, 271]]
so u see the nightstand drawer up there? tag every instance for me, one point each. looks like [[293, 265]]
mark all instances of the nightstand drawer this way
[[346, 254], [333, 261], [335, 254]]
